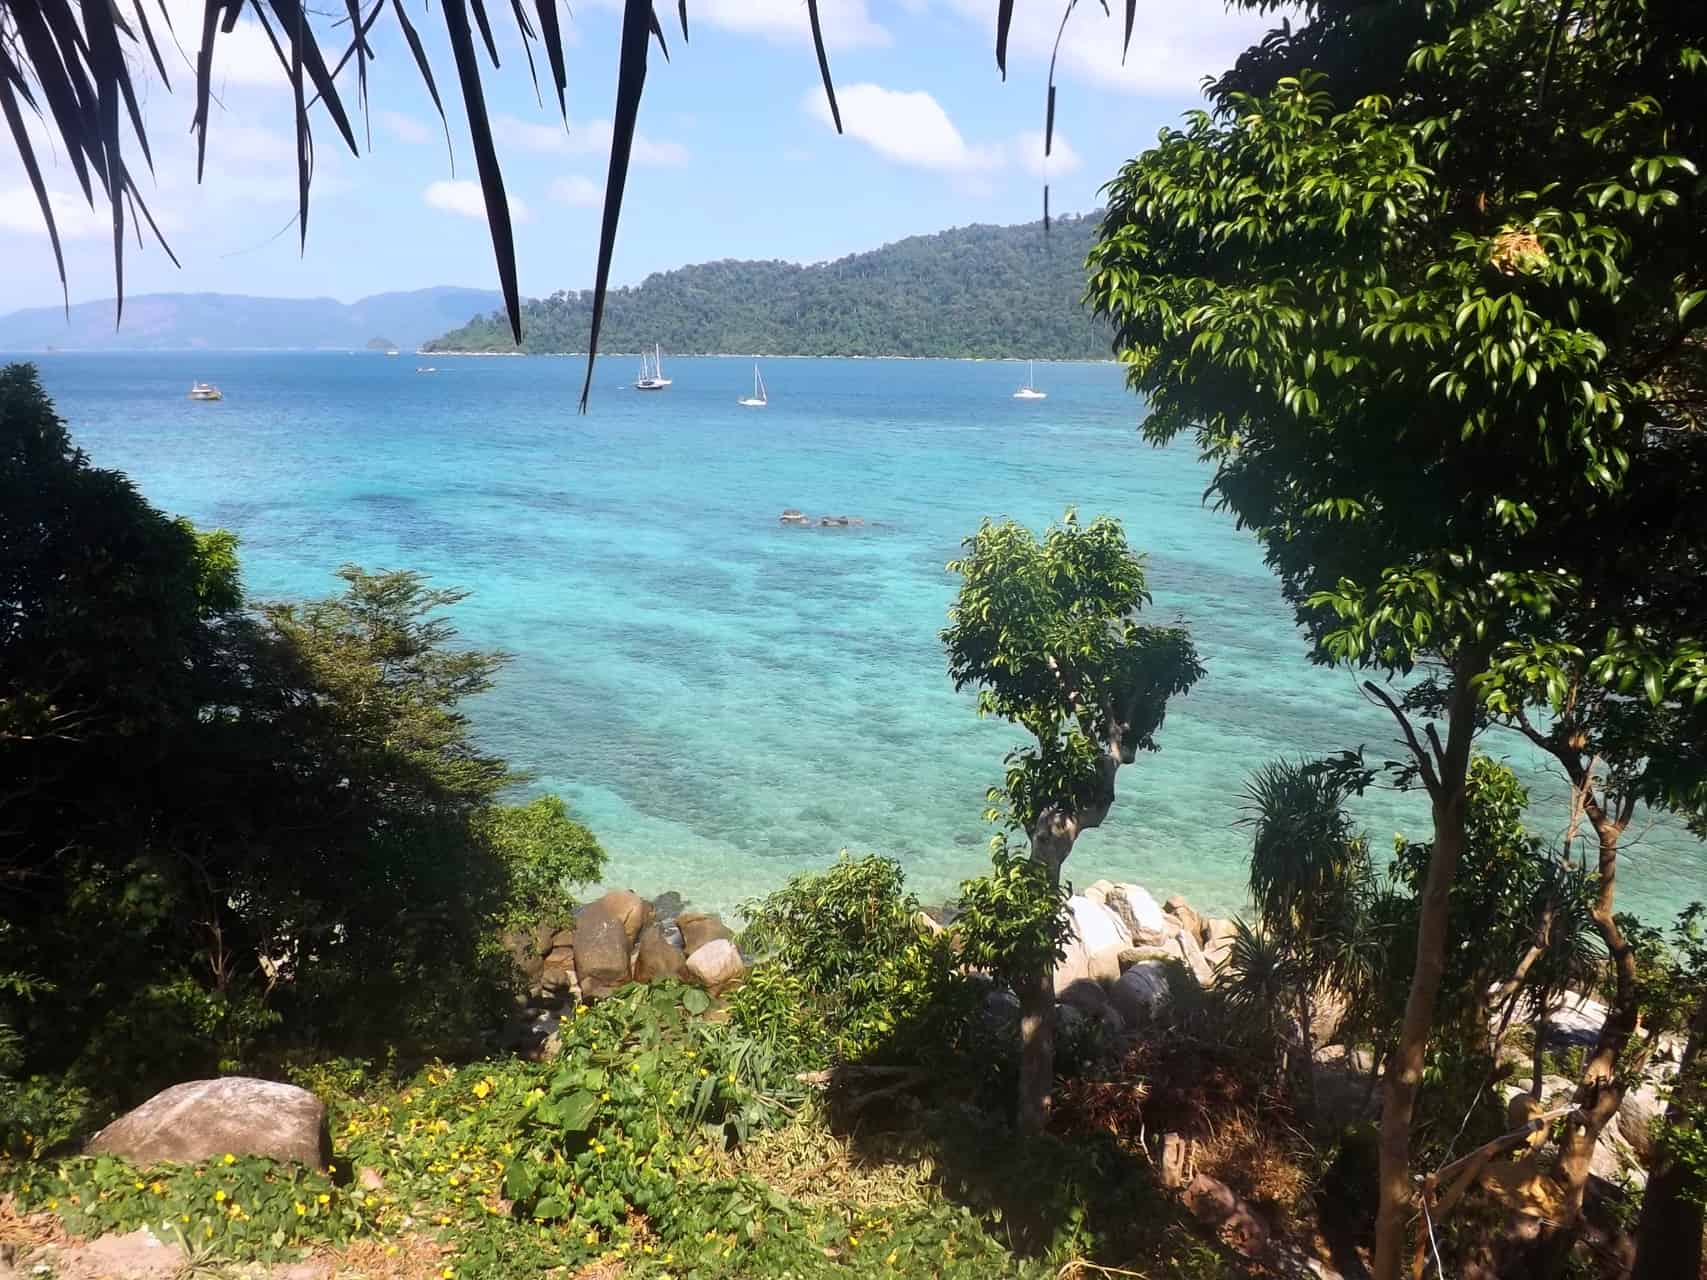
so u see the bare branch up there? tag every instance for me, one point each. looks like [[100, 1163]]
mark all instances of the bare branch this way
[[1431, 779]]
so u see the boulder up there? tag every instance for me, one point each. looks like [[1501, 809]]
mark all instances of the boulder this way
[[655, 957], [1209, 1200], [699, 928], [206, 1119], [557, 938], [1094, 943], [1218, 937], [717, 965], [1181, 910], [1086, 995], [557, 972], [630, 908], [1143, 916], [601, 952], [1191, 955], [926, 923], [1141, 993], [1636, 1116], [1138, 955], [792, 516]]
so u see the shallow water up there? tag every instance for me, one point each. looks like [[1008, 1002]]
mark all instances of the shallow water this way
[[724, 699]]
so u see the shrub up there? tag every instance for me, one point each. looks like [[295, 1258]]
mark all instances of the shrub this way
[[545, 854], [848, 940]]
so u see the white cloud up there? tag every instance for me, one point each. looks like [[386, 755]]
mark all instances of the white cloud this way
[[907, 126], [1027, 149], [576, 191], [1173, 45], [847, 24], [463, 197], [72, 215], [591, 138], [242, 56], [405, 128]]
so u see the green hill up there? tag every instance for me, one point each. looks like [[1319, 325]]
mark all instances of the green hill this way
[[971, 291]]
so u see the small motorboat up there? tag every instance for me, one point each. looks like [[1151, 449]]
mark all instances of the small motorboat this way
[[205, 391]]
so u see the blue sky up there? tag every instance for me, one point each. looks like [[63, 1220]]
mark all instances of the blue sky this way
[[737, 161]]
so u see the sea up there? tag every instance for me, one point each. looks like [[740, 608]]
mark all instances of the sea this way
[[728, 700]]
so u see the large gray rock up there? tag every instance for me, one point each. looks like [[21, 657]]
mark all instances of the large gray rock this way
[[1141, 993], [655, 957], [699, 928], [601, 952], [1636, 1116], [717, 965], [206, 1119]]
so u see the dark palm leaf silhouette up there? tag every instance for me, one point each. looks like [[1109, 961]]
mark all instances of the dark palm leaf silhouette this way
[[68, 62]]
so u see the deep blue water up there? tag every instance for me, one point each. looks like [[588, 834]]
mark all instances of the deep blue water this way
[[726, 700]]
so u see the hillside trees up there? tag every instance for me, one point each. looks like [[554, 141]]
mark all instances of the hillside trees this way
[[216, 816], [1423, 325], [1047, 632]]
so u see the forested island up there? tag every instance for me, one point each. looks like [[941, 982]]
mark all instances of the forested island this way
[[971, 291]]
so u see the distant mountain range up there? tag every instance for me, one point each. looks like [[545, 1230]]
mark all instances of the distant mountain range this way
[[971, 291], [212, 321]]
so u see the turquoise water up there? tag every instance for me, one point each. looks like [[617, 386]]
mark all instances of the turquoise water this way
[[726, 700]]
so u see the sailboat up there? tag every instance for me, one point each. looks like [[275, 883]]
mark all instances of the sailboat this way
[[759, 399], [652, 376], [1029, 391]]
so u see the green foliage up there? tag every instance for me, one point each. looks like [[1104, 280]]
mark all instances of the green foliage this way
[[235, 825], [974, 291], [1013, 921], [849, 940], [545, 853], [1047, 632]]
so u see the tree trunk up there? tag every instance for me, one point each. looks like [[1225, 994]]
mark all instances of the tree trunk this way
[[1307, 1038], [1668, 1234], [1537, 1066], [1449, 768], [1037, 1031], [1601, 1090]]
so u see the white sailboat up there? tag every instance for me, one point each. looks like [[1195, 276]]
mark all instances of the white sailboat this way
[[1029, 391], [760, 398], [652, 377]]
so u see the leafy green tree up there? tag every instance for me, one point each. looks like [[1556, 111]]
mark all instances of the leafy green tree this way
[[1047, 631], [218, 816], [1420, 318]]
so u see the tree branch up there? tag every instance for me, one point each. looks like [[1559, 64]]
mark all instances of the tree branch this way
[[1431, 779]]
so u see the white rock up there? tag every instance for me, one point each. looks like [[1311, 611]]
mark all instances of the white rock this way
[[1095, 939], [1143, 915], [1196, 963]]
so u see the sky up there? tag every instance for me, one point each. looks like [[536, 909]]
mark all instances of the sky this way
[[736, 156]]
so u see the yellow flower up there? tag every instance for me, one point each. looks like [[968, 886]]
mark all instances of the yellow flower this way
[[229, 1158], [854, 1241], [448, 1272], [455, 1181], [158, 1188], [482, 1089], [703, 1073], [208, 1232], [605, 1096], [592, 1236], [139, 1186], [323, 1198], [219, 1196], [391, 1251], [301, 1208], [890, 1260], [580, 1010], [183, 1217]]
